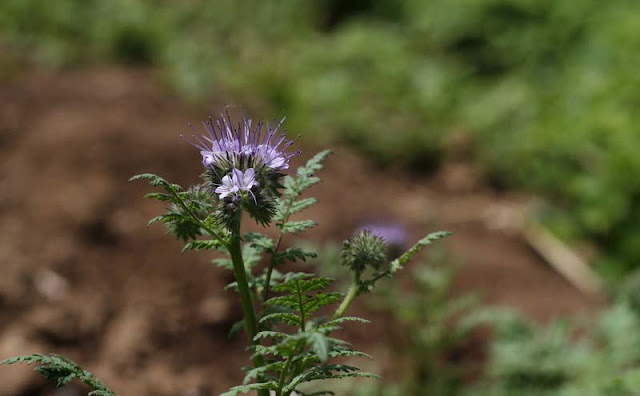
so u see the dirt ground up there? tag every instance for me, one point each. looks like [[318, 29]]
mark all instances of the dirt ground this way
[[83, 276]]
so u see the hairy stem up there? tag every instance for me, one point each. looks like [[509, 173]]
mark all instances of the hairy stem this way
[[240, 275], [301, 306], [348, 299], [283, 375], [272, 264]]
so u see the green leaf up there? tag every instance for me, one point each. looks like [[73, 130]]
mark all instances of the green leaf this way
[[295, 186], [320, 300], [270, 334], [271, 385], [285, 301], [156, 181], [155, 220], [259, 241], [398, 263], [286, 318], [331, 371], [300, 205], [314, 164], [61, 370], [306, 285], [294, 254], [320, 345], [342, 319], [262, 371], [297, 226], [161, 197], [203, 244], [349, 353]]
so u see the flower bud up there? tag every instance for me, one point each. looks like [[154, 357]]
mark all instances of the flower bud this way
[[363, 250]]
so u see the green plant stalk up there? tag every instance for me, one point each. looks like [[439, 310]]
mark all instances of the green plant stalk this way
[[283, 375], [348, 299], [272, 264], [300, 346], [240, 275]]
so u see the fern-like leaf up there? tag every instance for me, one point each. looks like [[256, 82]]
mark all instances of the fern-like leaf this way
[[236, 390], [62, 370]]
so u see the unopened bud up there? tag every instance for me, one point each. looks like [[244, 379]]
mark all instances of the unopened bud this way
[[363, 250]]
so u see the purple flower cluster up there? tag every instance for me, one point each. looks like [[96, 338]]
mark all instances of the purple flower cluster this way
[[245, 144], [242, 158]]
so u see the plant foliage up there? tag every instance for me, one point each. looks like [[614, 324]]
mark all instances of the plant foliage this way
[[62, 371]]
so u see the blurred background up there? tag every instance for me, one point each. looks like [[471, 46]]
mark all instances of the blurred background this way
[[513, 123]]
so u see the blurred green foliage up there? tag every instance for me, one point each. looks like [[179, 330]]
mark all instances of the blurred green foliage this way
[[546, 89], [563, 358]]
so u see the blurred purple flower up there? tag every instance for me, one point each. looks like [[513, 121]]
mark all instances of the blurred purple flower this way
[[394, 234], [236, 182], [245, 146]]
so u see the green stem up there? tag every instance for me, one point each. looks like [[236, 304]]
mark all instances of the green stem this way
[[348, 299], [240, 274], [272, 264], [283, 375], [301, 307]]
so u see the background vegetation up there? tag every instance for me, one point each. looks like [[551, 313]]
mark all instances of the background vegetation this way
[[549, 85]]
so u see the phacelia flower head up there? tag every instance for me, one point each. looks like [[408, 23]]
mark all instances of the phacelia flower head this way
[[244, 166], [260, 146]]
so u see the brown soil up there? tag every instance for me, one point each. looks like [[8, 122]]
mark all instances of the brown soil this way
[[83, 276]]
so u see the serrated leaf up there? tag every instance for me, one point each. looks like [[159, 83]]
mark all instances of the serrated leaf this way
[[398, 263], [270, 334], [161, 197], [349, 353], [302, 204], [236, 390], [262, 371], [283, 317], [314, 164], [294, 254], [297, 226], [156, 181], [320, 300], [155, 220], [284, 301], [306, 285], [326, 372], [259, 241], [62, 371], [342, 319], [320, 345], [203, 244], [295, 186]]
